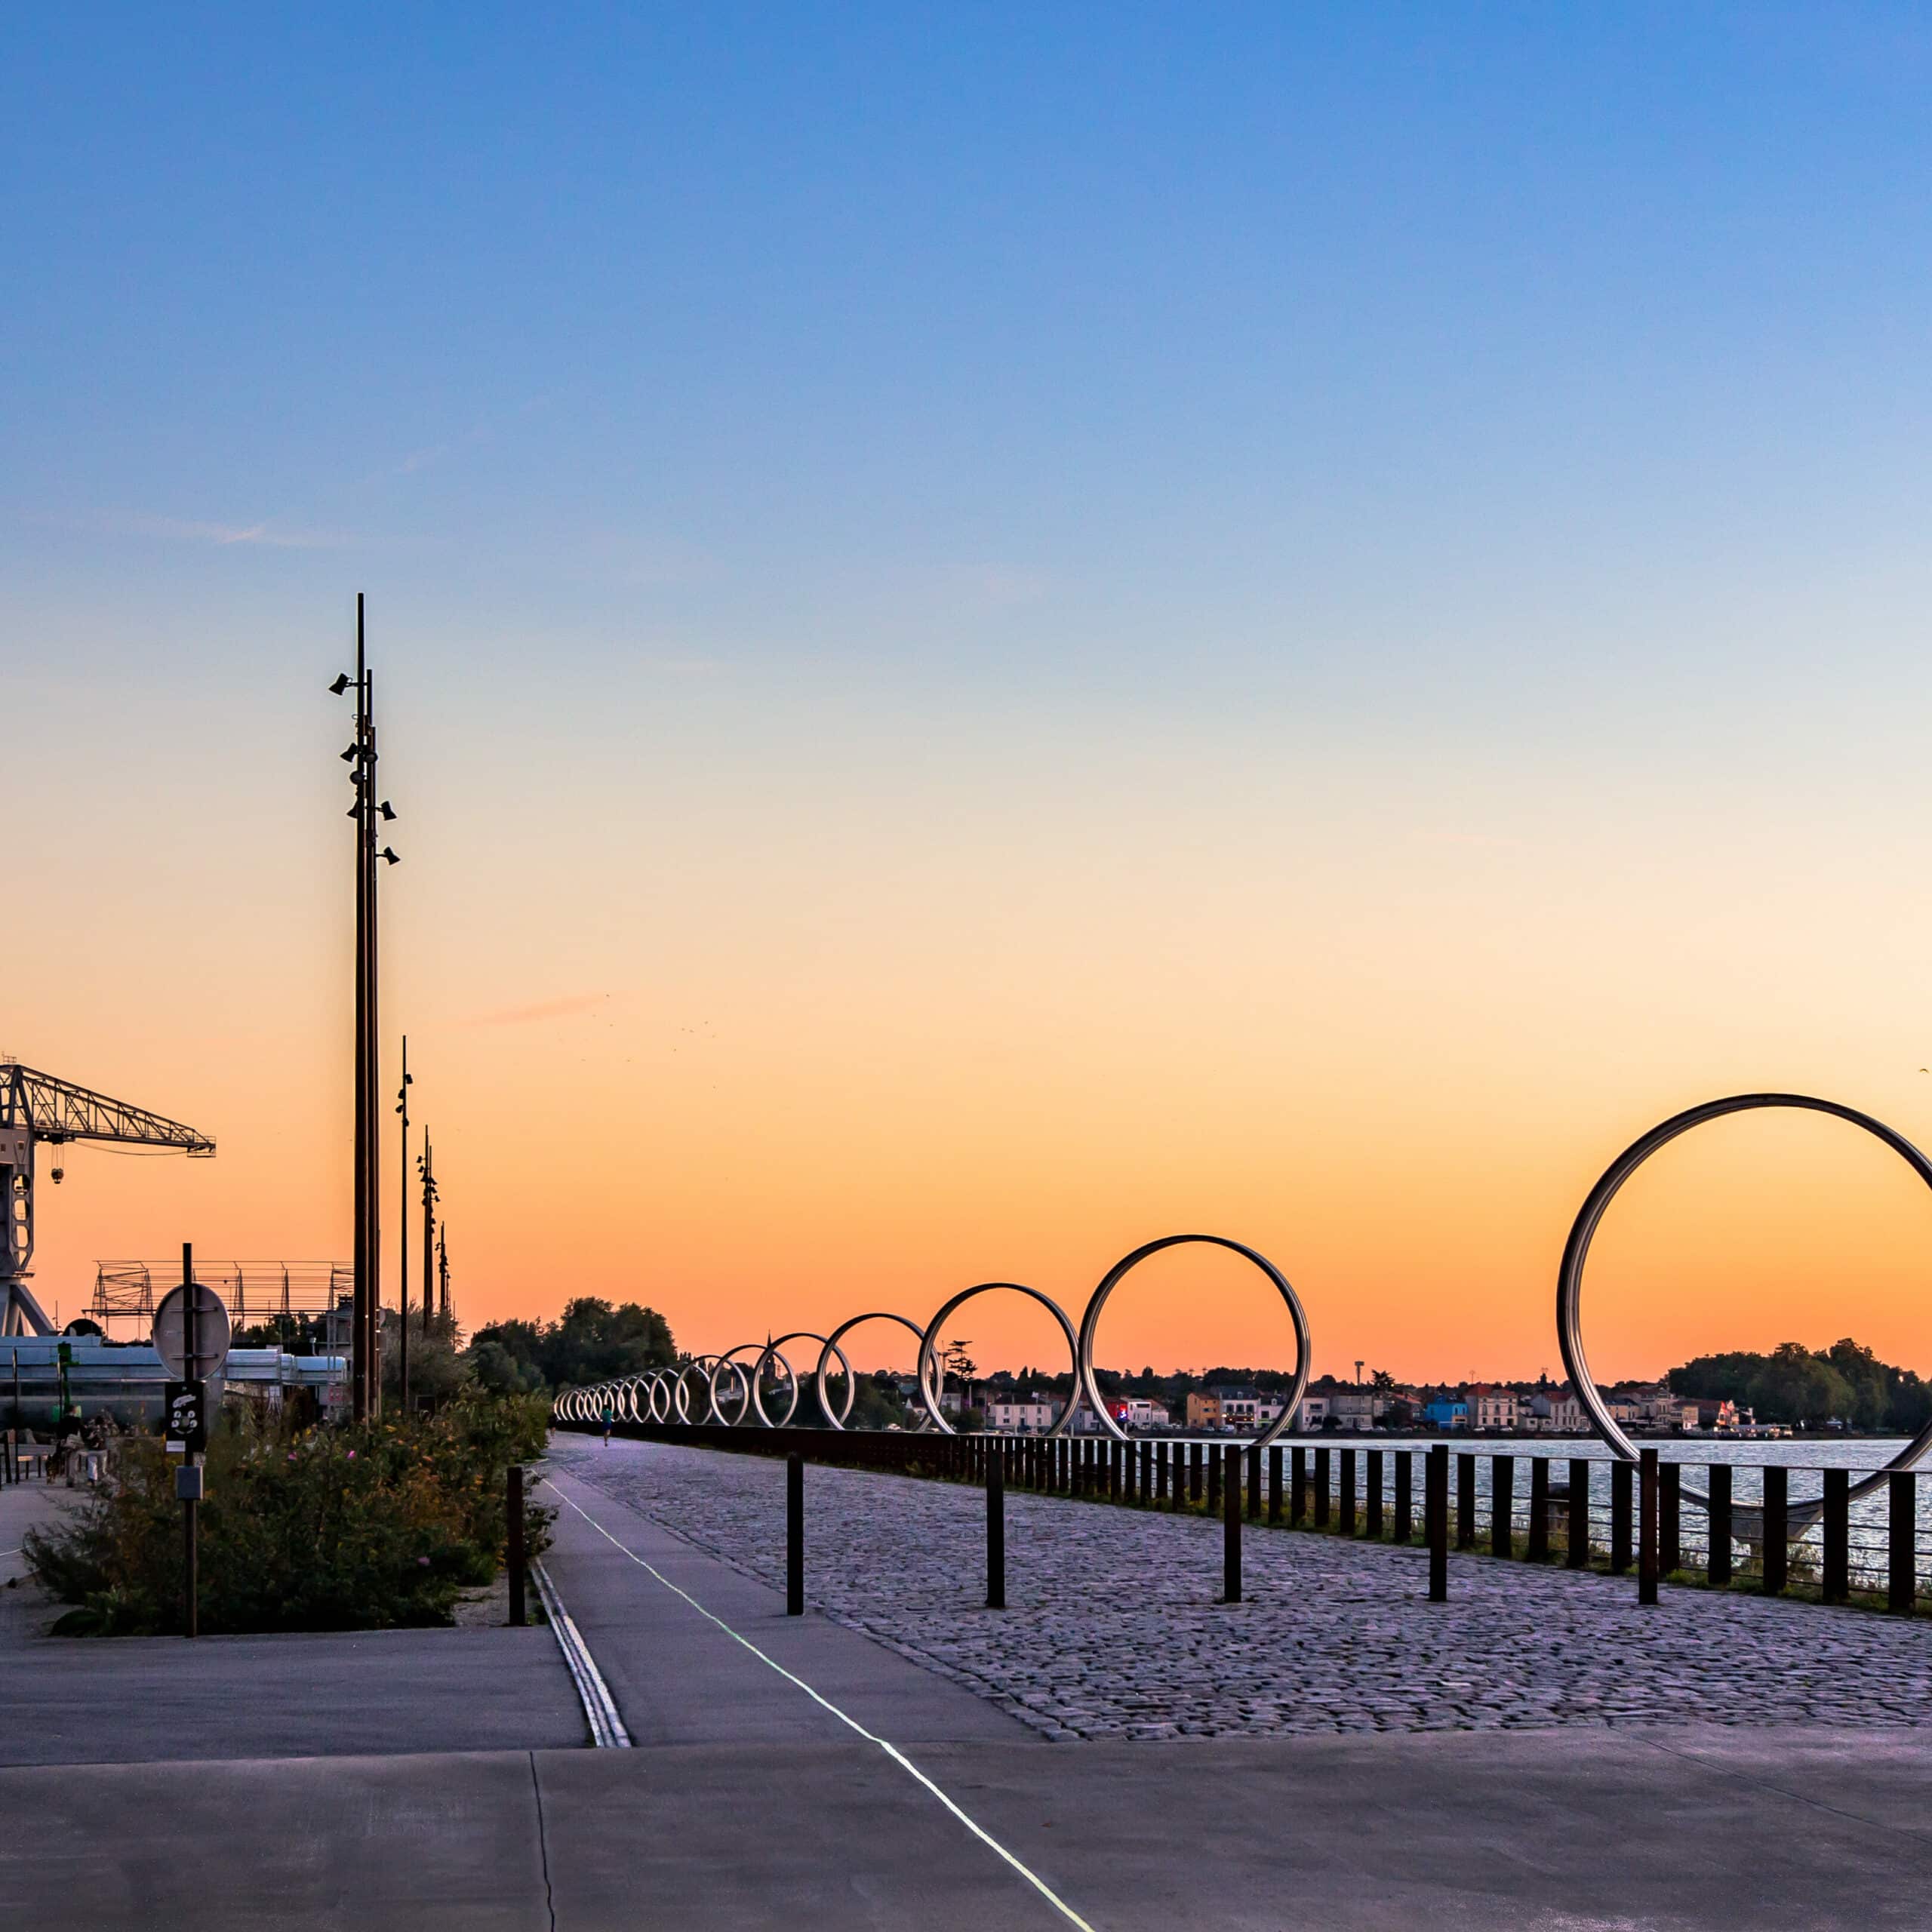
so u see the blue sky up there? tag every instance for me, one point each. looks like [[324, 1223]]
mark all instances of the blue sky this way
[[876, 327], [934, 444]]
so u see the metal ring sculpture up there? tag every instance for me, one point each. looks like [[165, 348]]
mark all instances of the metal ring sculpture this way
[[701, 1366], [1089, 1323], [667, 1391], [773, 1352], [929, 1354], [832, 1347], [725, 1362], [1575, 1252]]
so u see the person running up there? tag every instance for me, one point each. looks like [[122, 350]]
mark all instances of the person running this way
[[610, 1416]]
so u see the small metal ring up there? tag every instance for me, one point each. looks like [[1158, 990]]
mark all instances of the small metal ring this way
[[724, 1363]]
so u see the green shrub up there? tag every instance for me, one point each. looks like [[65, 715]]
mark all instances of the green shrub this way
[[357, 1528]]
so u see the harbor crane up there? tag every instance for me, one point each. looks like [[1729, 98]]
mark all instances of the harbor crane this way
[[35, 1108]]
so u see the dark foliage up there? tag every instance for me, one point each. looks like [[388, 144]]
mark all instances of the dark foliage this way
[[591, 1341], [324, 1529], [1797, 1385]]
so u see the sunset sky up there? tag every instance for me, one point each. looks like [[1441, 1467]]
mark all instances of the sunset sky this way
[[999, 631]]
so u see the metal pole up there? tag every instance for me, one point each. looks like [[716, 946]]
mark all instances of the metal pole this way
[[515, 1551], [374, 1048], [1901, 1540], [191, 1572], [1435, 1519], [402, 1245], [795, 1534], [1777, 1529], [1231, 1525], [1578, 1557], [428, 1223], [996, 1528], [1717, 1516], [359, 1320], [1836, 1581], [1647, 1527]]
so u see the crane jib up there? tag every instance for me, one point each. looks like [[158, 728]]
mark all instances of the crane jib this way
[[36, 1107]]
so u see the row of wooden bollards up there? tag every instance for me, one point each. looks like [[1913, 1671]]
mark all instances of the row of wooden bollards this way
[[1435, 1519]]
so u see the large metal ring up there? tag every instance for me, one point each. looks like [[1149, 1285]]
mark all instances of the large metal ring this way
[[832, 1347], [929, 1393], [1089, 1323], [773, 1352], [1576, 1251]]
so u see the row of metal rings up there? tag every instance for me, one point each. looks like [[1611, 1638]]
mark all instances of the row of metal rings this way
[[731, 1394], [667, 1388]]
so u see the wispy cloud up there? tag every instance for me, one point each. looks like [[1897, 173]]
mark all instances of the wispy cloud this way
[[547, 1009], [270, 533]]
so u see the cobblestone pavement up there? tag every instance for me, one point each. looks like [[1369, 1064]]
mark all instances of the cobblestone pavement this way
[[1113, 1630]]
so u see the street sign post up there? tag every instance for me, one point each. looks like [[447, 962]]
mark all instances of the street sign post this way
[[190, 1335], [201, 1308], [187, 1421]]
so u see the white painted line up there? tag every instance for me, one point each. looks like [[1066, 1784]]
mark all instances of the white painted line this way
[[892, 1751], [607, 1728]]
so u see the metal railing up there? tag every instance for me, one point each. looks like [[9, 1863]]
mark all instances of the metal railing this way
[[1748, 1531]]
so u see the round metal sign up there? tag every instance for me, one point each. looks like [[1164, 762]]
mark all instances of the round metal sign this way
[[211, 1333]]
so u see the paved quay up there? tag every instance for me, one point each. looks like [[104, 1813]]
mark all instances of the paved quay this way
[[1112, 1629], [808, 1772], [1678, 1825]]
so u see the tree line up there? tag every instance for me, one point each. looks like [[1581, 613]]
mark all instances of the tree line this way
[[1846, 1382]]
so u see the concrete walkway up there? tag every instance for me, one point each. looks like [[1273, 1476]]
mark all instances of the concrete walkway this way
[[1679, 1826]]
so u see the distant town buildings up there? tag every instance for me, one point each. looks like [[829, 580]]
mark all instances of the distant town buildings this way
[[1028, 1414], [1006, 1404]]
